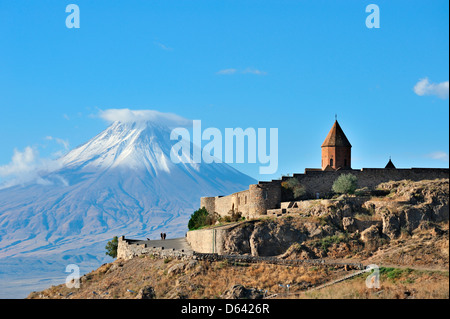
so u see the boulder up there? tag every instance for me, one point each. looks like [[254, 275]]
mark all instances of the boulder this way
[[349, 224], [240, 292], [271, 238], [413, 217], [440, 212], [316, 231], [298, 251], [355, 225], [371, 233], [146, 293], [191, 264], [237, 240], [391, 224], [176, 269]]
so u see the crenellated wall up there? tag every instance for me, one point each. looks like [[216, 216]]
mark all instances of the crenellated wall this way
[[223, 205], [322, 181]]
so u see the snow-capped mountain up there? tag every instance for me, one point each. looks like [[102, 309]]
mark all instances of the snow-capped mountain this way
[[121, 182]]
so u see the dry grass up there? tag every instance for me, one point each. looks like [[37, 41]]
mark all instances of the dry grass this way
[[407, 285], [206, 280], [211, 279], [261, 276], [367, 217], [423, 249]]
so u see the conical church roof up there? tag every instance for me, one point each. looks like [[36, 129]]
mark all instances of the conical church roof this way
[[390, 164], [336, 137]]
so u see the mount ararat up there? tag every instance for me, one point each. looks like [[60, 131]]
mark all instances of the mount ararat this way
[[121, 182]]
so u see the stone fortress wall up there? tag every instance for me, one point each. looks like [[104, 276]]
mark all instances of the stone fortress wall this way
[[251, 203], [264, 196], [336, 160]]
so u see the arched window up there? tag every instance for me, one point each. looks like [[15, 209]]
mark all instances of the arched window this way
[[331, 162], [345, 162]]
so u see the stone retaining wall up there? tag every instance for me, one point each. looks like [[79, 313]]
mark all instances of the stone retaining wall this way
[[129, 248], [274, 260], [208, 240]]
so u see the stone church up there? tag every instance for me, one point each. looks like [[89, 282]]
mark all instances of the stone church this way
[[317, 182]]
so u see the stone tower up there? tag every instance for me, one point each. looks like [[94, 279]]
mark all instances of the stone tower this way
[[336, 149]]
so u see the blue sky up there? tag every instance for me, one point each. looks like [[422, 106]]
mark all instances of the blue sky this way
[[291, 65]]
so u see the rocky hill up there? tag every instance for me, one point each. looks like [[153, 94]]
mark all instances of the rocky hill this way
[[403, 229], [358, 224]]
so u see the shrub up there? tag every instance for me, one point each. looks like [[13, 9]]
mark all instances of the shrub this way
[[198, 219], [293, 185], [111, 247], [211, 219], [325, 242], [345, 184], [226, 219], [394, 273], [231, 217], [235, 216]]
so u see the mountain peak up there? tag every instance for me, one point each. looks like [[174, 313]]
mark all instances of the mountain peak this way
[[124, 143]]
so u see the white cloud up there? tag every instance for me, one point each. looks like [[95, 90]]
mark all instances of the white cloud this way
[[245, 71], [127, 115], [60, 141], [26, 166], [443, 156], [227, 71], [424, 87], [254, 71], [162, 46], [20, 162]]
